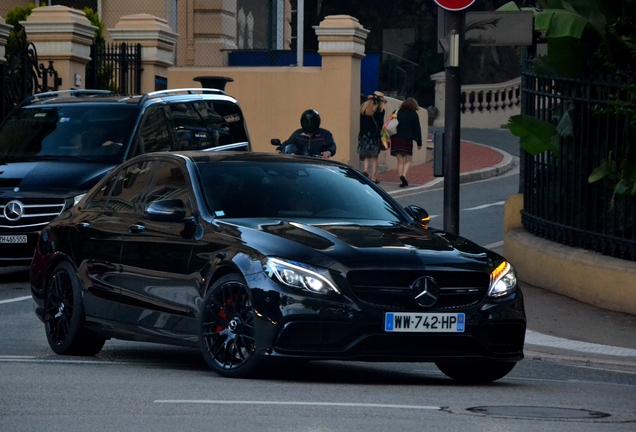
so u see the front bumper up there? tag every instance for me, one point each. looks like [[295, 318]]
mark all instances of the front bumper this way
[[292, 325], [18, 254]]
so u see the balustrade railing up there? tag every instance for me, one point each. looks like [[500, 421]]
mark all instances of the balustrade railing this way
[[491, 97], [483, 106]]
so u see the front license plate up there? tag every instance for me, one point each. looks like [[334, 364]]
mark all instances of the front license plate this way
[[424, 322], [13, 239]]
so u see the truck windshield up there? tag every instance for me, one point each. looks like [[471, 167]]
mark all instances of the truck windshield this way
[[88, 132]]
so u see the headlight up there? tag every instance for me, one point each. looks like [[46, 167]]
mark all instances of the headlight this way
[[503, 280], [299, 276]]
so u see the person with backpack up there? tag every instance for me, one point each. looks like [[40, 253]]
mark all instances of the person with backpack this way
[[408, 130]]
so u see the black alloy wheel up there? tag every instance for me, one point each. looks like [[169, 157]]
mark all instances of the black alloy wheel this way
[[475, 371], [64, 315], [227, 328]]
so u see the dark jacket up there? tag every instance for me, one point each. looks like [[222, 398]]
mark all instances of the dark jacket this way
[[372, 124], [409, 126], [319, 142]]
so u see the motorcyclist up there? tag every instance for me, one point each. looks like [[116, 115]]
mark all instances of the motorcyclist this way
[[318, 141]]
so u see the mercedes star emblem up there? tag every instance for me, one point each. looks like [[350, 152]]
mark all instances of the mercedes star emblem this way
[[14, 210], [425, 291]]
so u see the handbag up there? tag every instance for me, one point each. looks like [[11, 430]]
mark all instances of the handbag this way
[[391, 124], [385, 139]]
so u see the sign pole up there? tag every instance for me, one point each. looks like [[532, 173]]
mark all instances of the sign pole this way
[[452, 122]]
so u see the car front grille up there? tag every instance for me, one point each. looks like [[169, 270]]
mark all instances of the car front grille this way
[[36, 213], [391, 289]]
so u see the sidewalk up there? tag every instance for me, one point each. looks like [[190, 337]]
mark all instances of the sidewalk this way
[[559, 328], [476, 162]]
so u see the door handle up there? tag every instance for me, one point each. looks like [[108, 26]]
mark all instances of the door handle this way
[[136, 228], [81, 226]]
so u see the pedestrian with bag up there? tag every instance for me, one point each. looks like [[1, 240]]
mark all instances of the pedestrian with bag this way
[[408, 130], [369, 143]]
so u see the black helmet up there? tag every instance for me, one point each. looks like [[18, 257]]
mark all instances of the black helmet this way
[[310, 121]]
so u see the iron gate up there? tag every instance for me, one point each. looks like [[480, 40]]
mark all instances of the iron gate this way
[[21, 75], [115, 67]]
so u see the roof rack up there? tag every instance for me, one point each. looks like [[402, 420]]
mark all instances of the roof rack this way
[[177, 91], [73, 93]]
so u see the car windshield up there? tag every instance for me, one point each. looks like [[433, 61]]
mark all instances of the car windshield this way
[[86, 132], [268, 189]]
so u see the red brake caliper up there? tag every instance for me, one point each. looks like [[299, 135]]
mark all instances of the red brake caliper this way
[[223, 315]]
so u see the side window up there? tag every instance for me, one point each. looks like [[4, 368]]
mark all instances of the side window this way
[[126, 189], [169, 182], [99, 198], [224, 120], [154, 135], [190, 131]]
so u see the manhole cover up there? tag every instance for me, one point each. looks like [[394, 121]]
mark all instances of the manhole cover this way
[[538, 412]]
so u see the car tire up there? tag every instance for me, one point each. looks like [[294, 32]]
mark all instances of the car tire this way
[[226, 328], [64, 315], [475, 371]]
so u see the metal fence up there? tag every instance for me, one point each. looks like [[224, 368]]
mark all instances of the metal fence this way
[[115, 67], [559, 202]]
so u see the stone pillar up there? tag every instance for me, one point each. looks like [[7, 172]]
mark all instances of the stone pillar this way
[[440, 97], [4, 35], [213, 30], [157, 41], [341, 41], [64, 36]]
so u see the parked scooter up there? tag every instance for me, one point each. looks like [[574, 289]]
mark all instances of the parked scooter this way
[[294, 148]]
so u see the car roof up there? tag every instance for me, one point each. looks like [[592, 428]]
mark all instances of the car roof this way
[[198, 156], [64, 97]]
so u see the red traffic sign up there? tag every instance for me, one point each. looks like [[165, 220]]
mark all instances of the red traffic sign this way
[[454, 5]]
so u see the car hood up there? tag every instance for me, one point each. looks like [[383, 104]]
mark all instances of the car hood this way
[[51, 177], [366, 244]]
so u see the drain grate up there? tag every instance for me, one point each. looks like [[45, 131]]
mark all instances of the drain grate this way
[[539, 412]]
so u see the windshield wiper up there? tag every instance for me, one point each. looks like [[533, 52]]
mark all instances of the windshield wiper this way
[[62, 157]]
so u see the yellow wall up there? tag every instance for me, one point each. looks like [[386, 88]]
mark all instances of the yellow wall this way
[[581, 274], [272, 99]]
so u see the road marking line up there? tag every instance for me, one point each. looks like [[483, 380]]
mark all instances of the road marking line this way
[[499, 203], [10, 357], [334, 404], [494, 245], [17, 299], [535, 338]]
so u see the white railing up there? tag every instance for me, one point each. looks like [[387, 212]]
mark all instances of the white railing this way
[[484, 106]]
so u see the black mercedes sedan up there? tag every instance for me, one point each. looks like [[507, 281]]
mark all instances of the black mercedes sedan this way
[[256, 257]]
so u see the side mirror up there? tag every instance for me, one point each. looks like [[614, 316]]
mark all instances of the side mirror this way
[[419, 214], [173, 210], [275, 141]]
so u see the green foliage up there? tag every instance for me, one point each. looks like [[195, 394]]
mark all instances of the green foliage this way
[[93, 17], [585, 37], [14, 16], [536, 135], [19, 13]]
